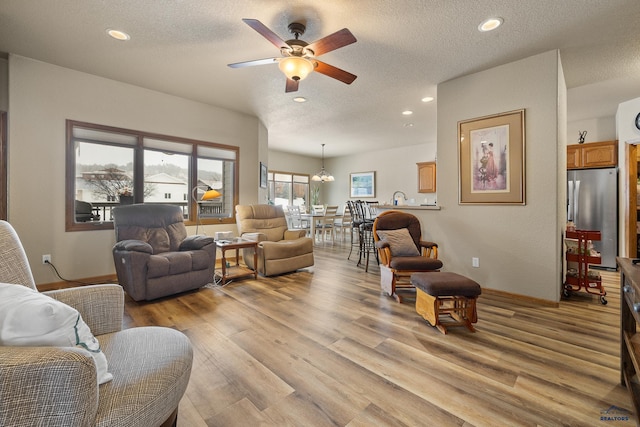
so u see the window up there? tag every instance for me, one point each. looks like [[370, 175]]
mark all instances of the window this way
[[286, 188], [107, 167]]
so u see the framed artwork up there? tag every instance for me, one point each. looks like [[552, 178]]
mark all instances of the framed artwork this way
[[491, 159], [363, 184], [263, 175]]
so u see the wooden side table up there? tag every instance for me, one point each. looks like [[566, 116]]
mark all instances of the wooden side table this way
[[235, 271]]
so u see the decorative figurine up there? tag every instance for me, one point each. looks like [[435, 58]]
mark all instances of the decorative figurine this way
[[581, 136]]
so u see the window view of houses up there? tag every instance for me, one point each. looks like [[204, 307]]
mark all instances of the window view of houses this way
[[105, 177]]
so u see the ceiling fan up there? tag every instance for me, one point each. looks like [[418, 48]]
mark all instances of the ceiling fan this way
[[299, 58]]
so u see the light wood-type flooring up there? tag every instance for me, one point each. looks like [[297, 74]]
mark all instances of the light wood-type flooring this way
[[324, 347]]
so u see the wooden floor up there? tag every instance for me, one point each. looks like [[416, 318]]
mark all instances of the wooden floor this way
[[324, 347]]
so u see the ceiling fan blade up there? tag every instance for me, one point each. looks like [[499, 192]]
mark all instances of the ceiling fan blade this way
[[254, 62], [332, 42], [267, 33], [334, 72], [292, 85]]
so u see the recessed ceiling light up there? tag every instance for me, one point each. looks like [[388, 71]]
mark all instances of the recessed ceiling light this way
[[118, 35], [299, 99], [407, 112], [490, 24], [408, 125], [427, 99]]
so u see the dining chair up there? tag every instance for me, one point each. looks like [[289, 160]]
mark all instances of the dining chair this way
[[326, 223], [295, 220], [344, 222], [317, 209]]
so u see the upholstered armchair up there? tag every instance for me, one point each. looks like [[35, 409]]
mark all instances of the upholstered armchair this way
[[154, 257], [401, 250], [280, 250], [58, 385]]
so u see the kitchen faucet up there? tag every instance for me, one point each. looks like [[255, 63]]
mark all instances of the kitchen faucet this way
[[393, 198]]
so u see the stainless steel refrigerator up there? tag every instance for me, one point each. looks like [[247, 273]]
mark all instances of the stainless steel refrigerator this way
[[593, 205]]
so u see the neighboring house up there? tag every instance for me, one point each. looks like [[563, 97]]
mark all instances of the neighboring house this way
[[166, 188], [109, 181]]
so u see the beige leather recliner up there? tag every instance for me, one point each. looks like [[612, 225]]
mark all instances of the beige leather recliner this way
[[280, 250]]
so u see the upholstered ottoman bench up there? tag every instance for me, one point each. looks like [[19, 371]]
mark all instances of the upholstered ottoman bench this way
[[444, 293]]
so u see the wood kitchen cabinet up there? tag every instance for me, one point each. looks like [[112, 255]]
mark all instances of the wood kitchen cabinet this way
[[592, 155], [427, 177]]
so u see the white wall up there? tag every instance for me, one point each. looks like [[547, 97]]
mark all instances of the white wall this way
[[289, 162], [598, 129], [519, 246], [625, 121], [41, 97], [395, 168], [295, 163]]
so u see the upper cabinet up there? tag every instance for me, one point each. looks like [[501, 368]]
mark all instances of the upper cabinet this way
[[592, 155], [427, 177]]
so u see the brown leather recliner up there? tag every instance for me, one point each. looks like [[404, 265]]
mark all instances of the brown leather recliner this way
[[280, 250], [402, 252], [154, 257]]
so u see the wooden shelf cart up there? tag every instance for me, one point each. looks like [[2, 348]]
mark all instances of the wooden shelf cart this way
[[581, 258]]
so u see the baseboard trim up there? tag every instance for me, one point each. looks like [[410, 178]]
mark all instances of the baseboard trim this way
[[519, 297], [98, 280]]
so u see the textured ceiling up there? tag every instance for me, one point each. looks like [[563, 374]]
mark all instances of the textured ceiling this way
[[405, 48]]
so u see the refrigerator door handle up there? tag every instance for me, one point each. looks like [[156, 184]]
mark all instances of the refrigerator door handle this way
[[576, 200], [570, 204]]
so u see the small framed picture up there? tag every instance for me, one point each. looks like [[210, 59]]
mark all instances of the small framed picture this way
[[263, 175], [363, 184]]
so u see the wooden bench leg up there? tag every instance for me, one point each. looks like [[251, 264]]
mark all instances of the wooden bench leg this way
[[427, 306], [461, 309]]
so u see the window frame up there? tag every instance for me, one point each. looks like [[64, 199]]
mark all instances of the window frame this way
[[271, 184], [138, 174]]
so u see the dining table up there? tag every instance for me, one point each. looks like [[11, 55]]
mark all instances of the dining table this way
[[312, 218]]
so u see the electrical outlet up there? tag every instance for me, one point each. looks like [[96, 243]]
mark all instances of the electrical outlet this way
[[46, 259], [475, 262]]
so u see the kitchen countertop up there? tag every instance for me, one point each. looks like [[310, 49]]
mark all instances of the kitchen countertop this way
[[411, 207]]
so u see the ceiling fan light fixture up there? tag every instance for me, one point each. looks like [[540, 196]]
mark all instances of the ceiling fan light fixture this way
[[296, 67]]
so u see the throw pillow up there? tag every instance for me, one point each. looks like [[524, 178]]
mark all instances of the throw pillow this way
[[29, 318], [400, 242]]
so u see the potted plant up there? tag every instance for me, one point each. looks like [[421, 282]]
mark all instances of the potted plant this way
[[315, 195], [125, 196]]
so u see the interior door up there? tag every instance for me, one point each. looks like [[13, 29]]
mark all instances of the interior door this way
[[631, 203]]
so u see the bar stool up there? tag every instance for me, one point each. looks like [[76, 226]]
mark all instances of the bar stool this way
[[355, 227], [364, 223]]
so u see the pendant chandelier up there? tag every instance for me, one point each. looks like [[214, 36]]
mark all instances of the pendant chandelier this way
[[322, 176]]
